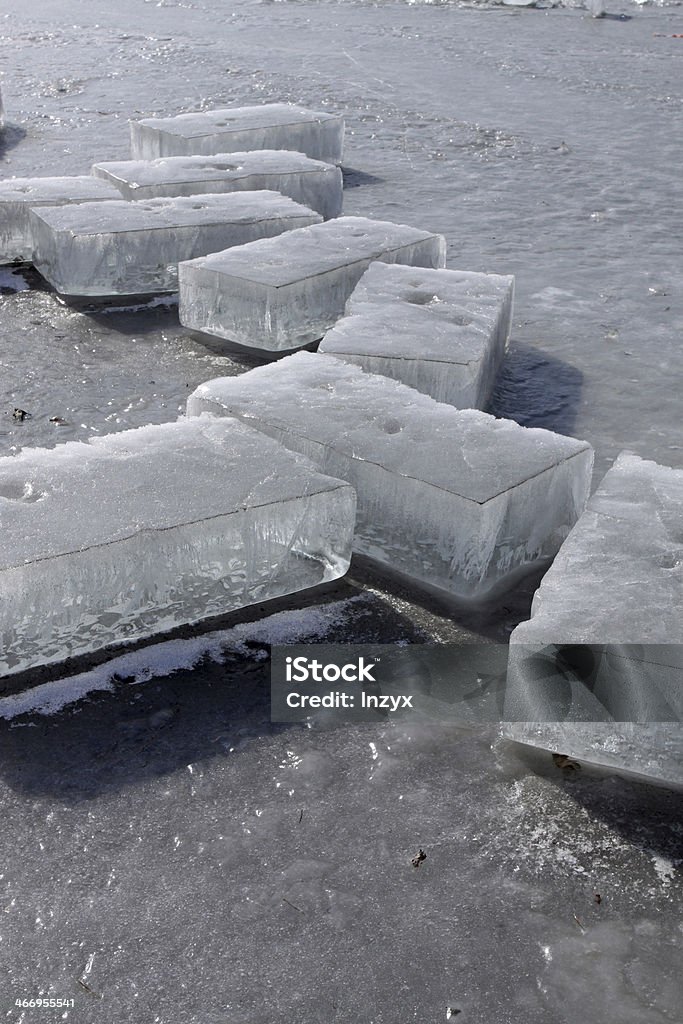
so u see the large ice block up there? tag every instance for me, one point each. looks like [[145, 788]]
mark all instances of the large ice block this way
[[281, 295], [319, 135], [443, 332], [142, 531], [18, 196], [310, 182], [454, 499], [605, 640], [122, 248]]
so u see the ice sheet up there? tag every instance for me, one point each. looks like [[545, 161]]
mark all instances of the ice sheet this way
[[319, 135], [122, 248], [443, 332], [277, 296], [310, 182], [610, 605], [20, 195], [454, 499], [141, 531]]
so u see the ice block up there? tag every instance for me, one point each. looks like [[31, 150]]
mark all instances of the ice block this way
[[138, 532], [18, 196], [281, 295], [310, 182], [122, 248], [453, 499], [597, 672], [443, 332], [319, 135]]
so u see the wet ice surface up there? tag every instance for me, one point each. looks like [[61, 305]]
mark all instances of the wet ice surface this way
[[542, 144], [203, 865]]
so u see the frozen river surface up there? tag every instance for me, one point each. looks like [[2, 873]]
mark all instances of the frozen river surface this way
[[168, 855]]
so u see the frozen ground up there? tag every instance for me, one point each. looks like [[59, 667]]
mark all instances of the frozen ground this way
[[541, 143]]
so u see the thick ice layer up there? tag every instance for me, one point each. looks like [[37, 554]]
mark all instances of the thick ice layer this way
[[122, 248], [281, 295], [609, 610], [311, 182], [237, 129], [20, 195], [454, 499], [139, 532], [443, 332]]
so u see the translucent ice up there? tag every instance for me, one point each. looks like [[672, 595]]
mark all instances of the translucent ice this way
[[138, 532], [20, 195], [310, 182], [280, 295], [453, 499], [605, 639], [443, 332], [237, 129], [122, 248]]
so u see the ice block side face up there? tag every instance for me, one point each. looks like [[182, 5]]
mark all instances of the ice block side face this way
[[319, 135], [142, 531], [453, 499], [122, 248], [19, 196], [605, 638], [278, 296], [312, 183], [443, 332]]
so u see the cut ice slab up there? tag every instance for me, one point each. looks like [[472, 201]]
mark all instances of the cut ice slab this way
[[319, 135], [309, 182], [443, 332], [454, 499], [134, 533], [278, 295], [603, 651], [19, 196], [122, 248]]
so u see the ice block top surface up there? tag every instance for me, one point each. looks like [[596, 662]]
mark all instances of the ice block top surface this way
[[83, 494], [235, 119], [408, 312], [119, 215], [381, 330], [45, 190], [379, 420], [618, 578], [437, 291], [222, 166], [311, 251]]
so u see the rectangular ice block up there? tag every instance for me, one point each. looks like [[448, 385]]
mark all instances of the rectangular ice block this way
[[310, 182], [122, 248], [605, 640], [319, 135], [443, 332], [454, 499], [138, 532], [281, 295], [20, 195]]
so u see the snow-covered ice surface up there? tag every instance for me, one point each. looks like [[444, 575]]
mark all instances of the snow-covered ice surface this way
[[443, 332], [544, 144], [452, 498], [278, 296], [310, 182], [318, 134], [122, 248], [20, 195], [138, 532]]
